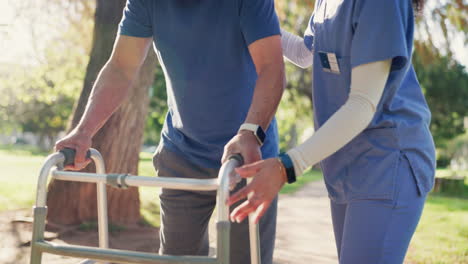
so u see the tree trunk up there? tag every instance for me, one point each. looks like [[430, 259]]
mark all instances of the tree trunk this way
[[119, 140]]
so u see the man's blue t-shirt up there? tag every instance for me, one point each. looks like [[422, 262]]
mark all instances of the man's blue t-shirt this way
[[202, 47]]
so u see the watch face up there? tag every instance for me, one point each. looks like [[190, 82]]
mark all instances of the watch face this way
[[261, 134]]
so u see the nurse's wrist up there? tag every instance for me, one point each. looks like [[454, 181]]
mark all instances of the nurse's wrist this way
[[282, 171], [288, 166], [295, 156]]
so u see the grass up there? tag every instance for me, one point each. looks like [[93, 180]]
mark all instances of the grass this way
[[148, 195], [441, 237], [442, 234], [19, 171], [308, 176], [93, 226]]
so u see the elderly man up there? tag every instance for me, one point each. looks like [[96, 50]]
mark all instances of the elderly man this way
[[224, 72]]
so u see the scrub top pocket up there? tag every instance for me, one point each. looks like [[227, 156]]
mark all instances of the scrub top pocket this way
[[366, 168], [373, 171]]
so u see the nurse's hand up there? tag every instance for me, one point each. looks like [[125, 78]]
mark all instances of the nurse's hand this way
[[269, 177], [244, 143]]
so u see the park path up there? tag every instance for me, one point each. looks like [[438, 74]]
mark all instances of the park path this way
[[304, 229]]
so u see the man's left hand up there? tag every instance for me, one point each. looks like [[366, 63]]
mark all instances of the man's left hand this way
[[244, 143]]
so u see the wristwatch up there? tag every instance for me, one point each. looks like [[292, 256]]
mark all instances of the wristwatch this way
[[257, 131], [289, 166]]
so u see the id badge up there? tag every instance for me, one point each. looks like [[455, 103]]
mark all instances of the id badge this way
[[329, 62]]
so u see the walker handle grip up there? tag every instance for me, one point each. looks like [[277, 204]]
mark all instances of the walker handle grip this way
[[69, 155], [237, 157]]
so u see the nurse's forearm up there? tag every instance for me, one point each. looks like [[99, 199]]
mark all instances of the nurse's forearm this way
[[367, 85], [295, 50]]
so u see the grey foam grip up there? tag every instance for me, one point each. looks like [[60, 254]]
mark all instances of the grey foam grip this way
[[237, 157], [69, 155]]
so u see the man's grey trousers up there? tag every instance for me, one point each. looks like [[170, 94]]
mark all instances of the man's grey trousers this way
[[185, 215]]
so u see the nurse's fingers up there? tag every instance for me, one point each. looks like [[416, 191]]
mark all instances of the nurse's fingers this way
[[239, 195], [261, 210], [250, 170], [243, 210]]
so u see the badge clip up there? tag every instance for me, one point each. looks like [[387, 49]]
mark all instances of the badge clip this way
[[329, 62]]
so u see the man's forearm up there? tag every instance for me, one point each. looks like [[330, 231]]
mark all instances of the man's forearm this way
[[267, 95], [110, 90]]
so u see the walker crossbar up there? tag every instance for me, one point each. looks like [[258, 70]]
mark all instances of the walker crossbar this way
[[130, 180], [121, 256], [103, 253]]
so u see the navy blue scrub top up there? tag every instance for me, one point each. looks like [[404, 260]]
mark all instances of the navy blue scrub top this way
[[359, 32]]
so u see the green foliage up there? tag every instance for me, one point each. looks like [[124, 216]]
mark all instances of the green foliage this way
[[445, 83], [294, 114], [38, 97], [41, 98], [442, 22], [157, 109], [294, 118], [452, 149], [294, 17], [148, 195]]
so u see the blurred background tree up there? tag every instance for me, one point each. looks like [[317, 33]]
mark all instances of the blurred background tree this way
[[119, 140], [445, 84]]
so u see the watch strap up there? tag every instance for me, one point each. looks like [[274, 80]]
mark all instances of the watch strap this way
[[289, 166], [255, 130]]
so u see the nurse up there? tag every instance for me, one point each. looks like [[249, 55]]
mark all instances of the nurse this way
[[372, 121]]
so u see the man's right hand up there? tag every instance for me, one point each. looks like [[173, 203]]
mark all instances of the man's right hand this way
[[81, 143]]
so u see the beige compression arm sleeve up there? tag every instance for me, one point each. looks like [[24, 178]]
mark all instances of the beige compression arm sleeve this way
[[295, 50], [367, 85]]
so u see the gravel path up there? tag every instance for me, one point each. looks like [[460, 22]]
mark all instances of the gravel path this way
[[304, 231]]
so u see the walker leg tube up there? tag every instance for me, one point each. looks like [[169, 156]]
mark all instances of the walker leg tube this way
[[39, 214], [102, 216], [223, 247], [101, 201], [254, 237]]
